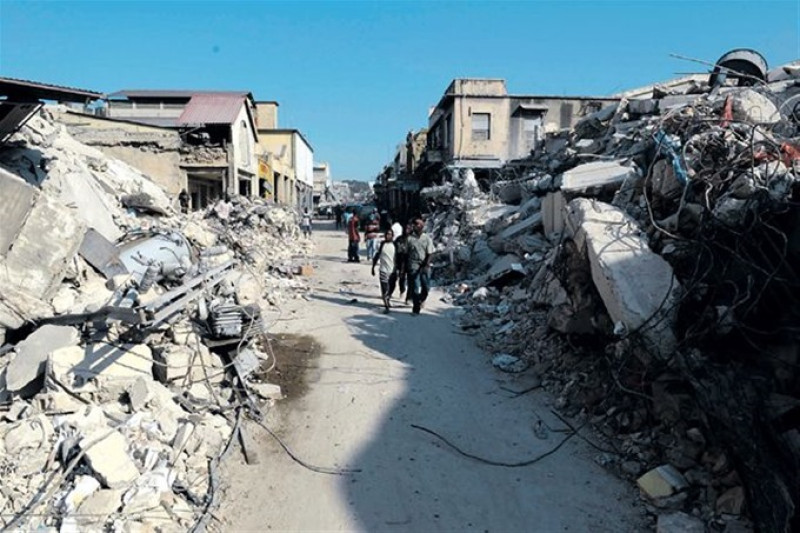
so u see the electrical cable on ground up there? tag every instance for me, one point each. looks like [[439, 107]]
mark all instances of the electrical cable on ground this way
[[492, 462]]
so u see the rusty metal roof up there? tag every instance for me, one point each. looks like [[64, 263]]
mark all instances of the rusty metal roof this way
[[16, 88], [212, 109]]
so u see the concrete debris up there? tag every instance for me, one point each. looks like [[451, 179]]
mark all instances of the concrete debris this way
[[509, 363], [31, 354], [107, 455], [641, 263], [661, 482], [118, 310]]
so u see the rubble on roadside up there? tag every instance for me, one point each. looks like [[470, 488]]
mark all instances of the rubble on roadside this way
[[129, 336], [645, 268]]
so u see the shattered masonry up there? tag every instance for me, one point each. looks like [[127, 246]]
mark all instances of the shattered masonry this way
[[130, 334], [644, 264]]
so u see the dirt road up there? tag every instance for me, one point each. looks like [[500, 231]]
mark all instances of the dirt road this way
[[375, 376]]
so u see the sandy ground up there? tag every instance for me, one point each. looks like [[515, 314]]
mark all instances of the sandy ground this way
[[377, 375]]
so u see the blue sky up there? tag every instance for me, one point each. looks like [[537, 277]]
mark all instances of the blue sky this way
[[356, 76]]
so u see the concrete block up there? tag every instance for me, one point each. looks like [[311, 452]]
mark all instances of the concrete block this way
[[597, 174], [98, 506], [553, 214], [18, 307], [32, 353], [634, 283], [109, 459], [46, 243], [661, 482], [268, 391], [731, 502], [754, 107], [111, 368], [18, 199]]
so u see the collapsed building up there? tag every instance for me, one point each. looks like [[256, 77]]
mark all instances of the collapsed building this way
[[644, 263], [132, 336]]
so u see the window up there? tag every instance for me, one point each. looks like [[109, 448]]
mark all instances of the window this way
[[481, 126]]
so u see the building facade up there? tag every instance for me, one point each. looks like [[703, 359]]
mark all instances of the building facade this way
[[322, 183], [218, 130]]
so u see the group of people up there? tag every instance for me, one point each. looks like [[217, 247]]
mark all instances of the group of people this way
[[404, 258]]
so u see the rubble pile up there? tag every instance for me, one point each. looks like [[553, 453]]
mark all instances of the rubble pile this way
[[648, 274], [132, 337]]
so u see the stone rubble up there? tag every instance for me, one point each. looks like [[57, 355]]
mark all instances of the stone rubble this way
[[124, 325], [643, 266]]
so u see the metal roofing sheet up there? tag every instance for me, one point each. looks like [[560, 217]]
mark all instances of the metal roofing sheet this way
[[212, 109], [16, 87]]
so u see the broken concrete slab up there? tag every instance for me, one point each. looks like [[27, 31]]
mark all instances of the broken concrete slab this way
[[553, 214], [661, 482], [18, 199], [32, 353], [98, 506], [505, 270], [597, 175], [18, 307], [102, 254], [34, 432], [731, 501], [107, 455], [268, 391], [754, 107], [45, 244], [637, 286], [101, 366]]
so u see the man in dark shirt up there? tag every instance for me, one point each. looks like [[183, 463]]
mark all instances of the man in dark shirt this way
[[354, 238], [420, 251]]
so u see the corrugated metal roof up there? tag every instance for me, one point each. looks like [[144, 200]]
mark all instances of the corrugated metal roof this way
[[212, 109], [45, 91], [170, 93]]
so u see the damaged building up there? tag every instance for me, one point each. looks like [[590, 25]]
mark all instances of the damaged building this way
[[131, 334], [478, 125], [644, 264]]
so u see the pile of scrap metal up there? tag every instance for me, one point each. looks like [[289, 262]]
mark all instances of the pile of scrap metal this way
[[649, 273], [130, 335]]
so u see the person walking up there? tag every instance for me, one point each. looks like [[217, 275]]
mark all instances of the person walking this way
[[371, 236], [386, 258], [353, 239], [306, 223], [420, 250], [337, 210], [401, 263]]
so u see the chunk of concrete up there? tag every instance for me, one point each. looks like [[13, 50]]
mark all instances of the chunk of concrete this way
[[596, 175], [268, 391], [110, 368], [506, 268], [17, 307], [754, 107], [109, 459], [637, 286], [84, 487], [678, 522], [18, 198], [31, 354], [553, 214], [34, 432], [45, 244], [731, 502], [98, 506], [661, 482]]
